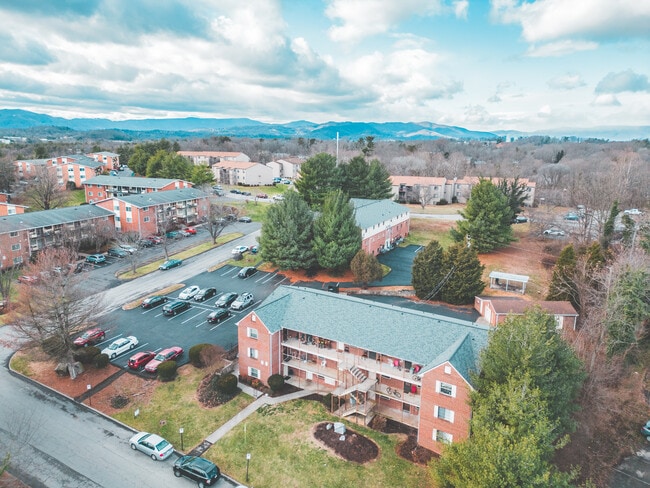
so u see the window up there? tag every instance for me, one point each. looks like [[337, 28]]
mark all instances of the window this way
[[13, 234], [252, 353], [443, 413], [145, 209], [15, 247], [445, 389], [252, 333], [128, 208], [254, 372], [129, 220], [90, 194], [441, 436], [146, 219]]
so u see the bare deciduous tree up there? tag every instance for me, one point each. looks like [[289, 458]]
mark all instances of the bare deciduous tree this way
[[44, 191], [219, 217]]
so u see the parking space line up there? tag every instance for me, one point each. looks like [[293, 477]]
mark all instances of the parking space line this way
[[194, 316], [222, 322], [266, 278], [229, 271], [280, 282]]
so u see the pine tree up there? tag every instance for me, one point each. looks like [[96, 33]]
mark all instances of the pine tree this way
[[354, 177], [287, 234], [563, 286], [336, 235], [516, 194], [487, 219], [465, 272], [366, 268], [427, 270], [379, 185], [318, 176]]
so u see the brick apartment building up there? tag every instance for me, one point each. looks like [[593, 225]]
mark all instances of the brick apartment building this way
[[8, 208], [412, 189], [410, 366], [69, 171], [148, 213], [22, 235], [104, 186], [383, 223]]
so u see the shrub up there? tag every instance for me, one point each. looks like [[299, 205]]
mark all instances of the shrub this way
[[275, 382], [167, 370], [226, 383], [195, 355], [443, 201], [86, 355], [454, 199], [52, 346], [101, 361]]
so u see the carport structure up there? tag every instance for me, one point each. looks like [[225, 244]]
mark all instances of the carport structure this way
[[503, 281]]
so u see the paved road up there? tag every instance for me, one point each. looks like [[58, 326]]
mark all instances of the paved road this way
[[415, 215]]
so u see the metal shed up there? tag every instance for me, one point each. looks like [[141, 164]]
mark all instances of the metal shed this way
[[504, 281]]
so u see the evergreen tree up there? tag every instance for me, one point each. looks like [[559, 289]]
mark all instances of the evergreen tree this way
[[366, 268], [379, 185], [563, 286], [201, 175], [287, 234], [628, 230], [336, 235], [427, 271], [515, 192], [608, 228], [155, 163], [487, 219], [176, 166], [354, 177], [318, 176], [465, 273], [529, 344]]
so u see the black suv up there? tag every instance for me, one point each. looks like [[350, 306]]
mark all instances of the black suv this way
[[197, 469], [218, 315], [175, 307], [226, 299]]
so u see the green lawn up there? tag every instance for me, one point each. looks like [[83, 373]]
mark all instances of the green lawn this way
[[285, 454], [174, 405], [423, 231], [77, 197]]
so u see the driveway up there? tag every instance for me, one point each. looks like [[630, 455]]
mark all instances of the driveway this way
[[633, 472], [400, 262]]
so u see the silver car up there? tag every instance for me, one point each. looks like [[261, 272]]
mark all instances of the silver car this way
[[152, 445]]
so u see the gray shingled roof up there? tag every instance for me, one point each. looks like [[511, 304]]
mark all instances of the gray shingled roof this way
[[130, 181], [46, 218], [422, 338], [373, 212], [161, 197]]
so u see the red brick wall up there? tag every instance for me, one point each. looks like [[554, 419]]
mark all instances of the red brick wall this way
[[7, 255], [268, 359], [459, 404]]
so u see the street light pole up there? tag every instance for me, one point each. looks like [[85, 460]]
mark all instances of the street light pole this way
[[90, 395], [248, 458], [180, 431]]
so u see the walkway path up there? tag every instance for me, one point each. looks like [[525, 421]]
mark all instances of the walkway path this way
[[250, 409]]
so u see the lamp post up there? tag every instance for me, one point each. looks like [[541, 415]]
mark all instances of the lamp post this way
[[180, 431], [248, 458], [90, 395]]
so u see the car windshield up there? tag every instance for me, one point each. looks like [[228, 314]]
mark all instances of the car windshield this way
[[159, 357], [86, 335], [116, 345], [161, 445]]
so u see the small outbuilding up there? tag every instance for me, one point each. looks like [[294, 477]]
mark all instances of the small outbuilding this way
[[508, 282]]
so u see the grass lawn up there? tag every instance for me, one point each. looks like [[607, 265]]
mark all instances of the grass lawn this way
[[284, 453], [423, 231], [76, 198], [174, 405], [451, 209]]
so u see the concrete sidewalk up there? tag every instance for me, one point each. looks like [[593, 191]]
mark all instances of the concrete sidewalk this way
[[260, 401]]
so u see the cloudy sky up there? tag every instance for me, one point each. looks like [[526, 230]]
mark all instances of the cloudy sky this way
[[484, 65]]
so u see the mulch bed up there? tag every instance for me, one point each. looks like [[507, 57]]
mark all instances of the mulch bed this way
[[409, 449], [355, 447]]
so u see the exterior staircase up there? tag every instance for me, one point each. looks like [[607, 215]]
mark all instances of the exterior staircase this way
[[356, 372]]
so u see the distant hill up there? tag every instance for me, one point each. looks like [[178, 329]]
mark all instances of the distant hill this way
[[35, 124]]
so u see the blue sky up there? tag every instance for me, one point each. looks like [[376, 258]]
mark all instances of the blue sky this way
[[483, 65]]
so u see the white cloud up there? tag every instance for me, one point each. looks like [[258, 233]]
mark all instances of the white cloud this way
[[606, 100], [560, 48], [363, 18], [547, 20], [625, 81], [544, 111], [569, 81], [460, 8]]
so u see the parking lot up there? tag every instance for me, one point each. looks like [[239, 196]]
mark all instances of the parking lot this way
[[156, 331]]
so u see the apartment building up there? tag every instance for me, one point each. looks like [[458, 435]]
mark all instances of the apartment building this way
[[109, 160], [103, 186], [149, 213], [375, 359], [286, 167], [240, 173], [414, 189], [70, 171], [8, 208], [209, 158], [22, 235], [383, 223]]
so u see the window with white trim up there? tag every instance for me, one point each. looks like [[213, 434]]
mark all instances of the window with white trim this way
[[146, 219], [253, 372], [443, 413], [446, 389], [440, 436], [129, 220], [90, 194], [15, 247], [252, 353], [252, 333], [18, 260], [13, 234]]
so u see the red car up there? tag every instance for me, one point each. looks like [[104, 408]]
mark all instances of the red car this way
[[155, 239], [90, 337], [190, 230], [140, 359], [28, 280], [164, 355]]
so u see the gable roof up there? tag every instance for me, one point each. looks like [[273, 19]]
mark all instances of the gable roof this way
[[236, 164], [518, 306], [80, 159], [373, 212], [162, 197], [422, 338], [418, 180], [212, 154], [130, 181], [46, 218]]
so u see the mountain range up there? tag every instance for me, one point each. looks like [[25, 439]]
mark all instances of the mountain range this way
[[13, 122]]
